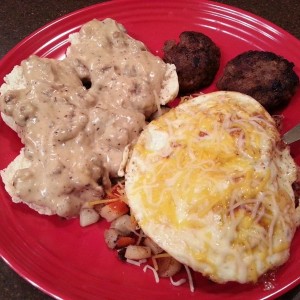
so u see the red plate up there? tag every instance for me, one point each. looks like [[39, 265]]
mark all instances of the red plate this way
[[67, 261]]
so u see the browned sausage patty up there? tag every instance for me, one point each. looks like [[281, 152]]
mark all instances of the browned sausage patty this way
[[265, 76], [197, 60]]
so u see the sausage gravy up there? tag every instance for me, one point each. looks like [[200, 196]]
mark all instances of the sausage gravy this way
[[77, 115]]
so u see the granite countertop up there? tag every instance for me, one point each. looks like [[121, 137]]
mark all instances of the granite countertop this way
[[19, 18]]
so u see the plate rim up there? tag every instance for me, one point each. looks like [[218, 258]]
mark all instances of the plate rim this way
[[71, 15]]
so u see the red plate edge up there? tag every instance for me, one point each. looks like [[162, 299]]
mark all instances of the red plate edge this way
[[38, 34], [53, 24]]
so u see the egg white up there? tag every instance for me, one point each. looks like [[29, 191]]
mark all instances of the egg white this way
[[210, 183]]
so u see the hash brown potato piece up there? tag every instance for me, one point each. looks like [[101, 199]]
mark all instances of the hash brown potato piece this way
[[265, 76], [197, 60]]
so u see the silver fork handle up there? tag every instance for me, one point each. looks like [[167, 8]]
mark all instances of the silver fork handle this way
[[293, 135]]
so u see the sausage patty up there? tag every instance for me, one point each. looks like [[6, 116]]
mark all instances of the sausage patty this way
[[265, 76], [197, 60]]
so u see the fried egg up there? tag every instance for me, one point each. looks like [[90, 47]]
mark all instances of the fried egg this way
[[211, 183]]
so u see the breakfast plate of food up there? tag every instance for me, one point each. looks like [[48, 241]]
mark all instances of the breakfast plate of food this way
[[142, 154]]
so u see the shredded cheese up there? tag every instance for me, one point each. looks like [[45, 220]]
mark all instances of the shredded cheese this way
[[162, 255], [102, 201], [213, 171], [140, 236], [156, 277], [189, 97], [155, 265], [133, 262], [136, 263], [178, 282], [190, 279]]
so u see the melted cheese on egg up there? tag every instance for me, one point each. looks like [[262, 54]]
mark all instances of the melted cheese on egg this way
[[210, 183]]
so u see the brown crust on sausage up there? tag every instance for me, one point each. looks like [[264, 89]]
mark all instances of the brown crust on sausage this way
[[197, 60], [265, 76]]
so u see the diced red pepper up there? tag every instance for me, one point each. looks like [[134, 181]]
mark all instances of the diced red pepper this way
[[124, 241]]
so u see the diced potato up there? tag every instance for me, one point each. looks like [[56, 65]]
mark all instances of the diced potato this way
[[114, 210], [153, 246], [123, 224], [168, 266], [88, 216], [111, 236], [137, 252]]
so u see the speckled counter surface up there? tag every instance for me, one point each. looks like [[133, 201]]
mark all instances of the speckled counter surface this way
[[19, 18]]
